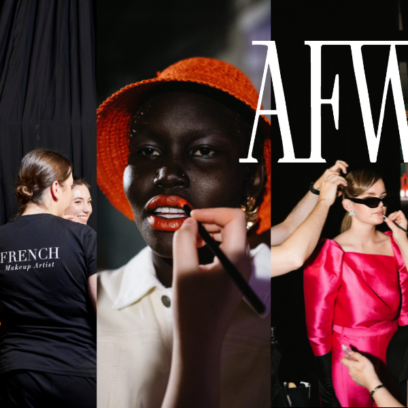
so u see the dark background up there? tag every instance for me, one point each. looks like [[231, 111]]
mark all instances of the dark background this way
[[47, 89], [136, 39], [294, 22]]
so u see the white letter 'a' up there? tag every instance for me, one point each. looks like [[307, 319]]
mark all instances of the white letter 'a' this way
[[273, 63], [373, 139]]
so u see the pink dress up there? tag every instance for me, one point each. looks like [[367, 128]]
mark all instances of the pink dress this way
[[357, 300]]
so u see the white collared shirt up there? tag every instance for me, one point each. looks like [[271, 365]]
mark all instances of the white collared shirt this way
[[135, 337]]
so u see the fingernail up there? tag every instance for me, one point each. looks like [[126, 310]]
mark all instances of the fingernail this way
[[189, 221]]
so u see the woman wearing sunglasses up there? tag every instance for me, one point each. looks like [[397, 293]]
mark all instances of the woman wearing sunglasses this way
[[356, 292]]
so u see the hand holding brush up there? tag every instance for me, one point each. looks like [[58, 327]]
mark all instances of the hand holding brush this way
[[397, 224]]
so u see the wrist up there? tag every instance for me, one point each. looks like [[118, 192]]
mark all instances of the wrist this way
[[314, 188], [372, 382], [377, 389], [400, 238], [324, 202]]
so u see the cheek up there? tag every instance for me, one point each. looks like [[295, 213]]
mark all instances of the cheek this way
[[218, 189], [136, 185], [127, 178], [366, 215], [362, 212], [77, 209]]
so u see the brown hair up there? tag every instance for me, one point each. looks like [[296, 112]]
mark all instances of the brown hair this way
[[79, 181], [38, 170], [359, 181]]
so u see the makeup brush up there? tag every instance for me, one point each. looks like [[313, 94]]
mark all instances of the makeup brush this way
[[385, 217], [232, 271]]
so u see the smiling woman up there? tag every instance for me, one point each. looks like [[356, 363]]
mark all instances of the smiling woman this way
[[80, 208], [164, 143]]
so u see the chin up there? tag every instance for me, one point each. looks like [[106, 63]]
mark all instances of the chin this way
[[160, 242], [372, 222]]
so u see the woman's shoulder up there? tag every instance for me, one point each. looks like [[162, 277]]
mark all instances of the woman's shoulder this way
[[330, 245], [327, 256], [327, 248], [342, 239]]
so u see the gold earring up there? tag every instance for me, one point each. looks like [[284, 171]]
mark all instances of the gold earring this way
[[251, 213]]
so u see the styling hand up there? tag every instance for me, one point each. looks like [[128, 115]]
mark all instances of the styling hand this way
[[329, 187], [399, 218], [205, 297], [361, 370], [340, 166]]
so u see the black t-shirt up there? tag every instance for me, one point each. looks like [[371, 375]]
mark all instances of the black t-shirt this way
[[47, 320], [397, 362]]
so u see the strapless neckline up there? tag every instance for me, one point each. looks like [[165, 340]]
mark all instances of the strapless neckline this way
[[358, 253]]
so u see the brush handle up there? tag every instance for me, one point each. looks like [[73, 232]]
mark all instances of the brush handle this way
[[229, 267]]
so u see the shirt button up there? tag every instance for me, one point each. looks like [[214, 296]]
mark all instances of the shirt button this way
[[166, 301]]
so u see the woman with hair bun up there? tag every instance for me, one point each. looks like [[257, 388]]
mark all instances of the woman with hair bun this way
[[356, 292], [47, 293]]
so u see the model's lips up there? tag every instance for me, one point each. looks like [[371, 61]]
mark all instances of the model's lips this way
[[167, 212]]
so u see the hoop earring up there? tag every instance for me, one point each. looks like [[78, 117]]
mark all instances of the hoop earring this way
[[251, 213], [352, 213]]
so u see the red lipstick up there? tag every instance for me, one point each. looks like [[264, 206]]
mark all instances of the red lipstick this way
[[168, 214]]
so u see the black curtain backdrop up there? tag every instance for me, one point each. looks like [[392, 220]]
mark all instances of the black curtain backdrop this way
[[293, 23], [47, 88]]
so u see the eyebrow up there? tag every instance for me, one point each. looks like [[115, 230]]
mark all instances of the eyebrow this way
[[373, 194], [194, 134]]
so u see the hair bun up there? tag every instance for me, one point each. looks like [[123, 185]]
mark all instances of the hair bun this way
[[23, 192]]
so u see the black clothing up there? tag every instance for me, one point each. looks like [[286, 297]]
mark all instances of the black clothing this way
[[397, 362], [48, 323], [31, 389], [324, 376]]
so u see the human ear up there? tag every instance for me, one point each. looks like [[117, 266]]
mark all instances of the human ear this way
[[55, 191], [256, 184], [347, 205]]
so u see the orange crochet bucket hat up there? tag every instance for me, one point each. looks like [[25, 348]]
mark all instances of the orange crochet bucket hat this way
[[114, 118]]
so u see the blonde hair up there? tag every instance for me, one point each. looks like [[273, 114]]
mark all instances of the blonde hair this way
[[359, 181]]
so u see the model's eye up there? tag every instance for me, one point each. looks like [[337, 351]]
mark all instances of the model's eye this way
[[204, 151], [148, 151]]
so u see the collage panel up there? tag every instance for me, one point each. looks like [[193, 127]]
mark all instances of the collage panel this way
[[192, 294], [171, 129], [47, 182], [339, 228]]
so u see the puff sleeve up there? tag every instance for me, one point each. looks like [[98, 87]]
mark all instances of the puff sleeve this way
[[322, 281], [403, 278]]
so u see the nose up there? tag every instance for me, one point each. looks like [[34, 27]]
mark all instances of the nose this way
[[87, 208], [171, 176]]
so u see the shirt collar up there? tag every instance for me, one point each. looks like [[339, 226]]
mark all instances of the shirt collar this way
[[139, 278]]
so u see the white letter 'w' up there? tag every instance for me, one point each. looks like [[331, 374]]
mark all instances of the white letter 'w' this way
[[393, 77]]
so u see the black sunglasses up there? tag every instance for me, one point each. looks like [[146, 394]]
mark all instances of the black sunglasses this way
[[372, 202]]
